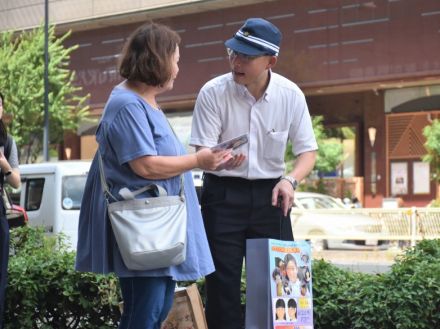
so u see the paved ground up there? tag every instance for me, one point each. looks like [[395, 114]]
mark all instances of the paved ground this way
[[374, 261]]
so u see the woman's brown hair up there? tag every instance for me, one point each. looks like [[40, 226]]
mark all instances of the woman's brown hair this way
[[147, 55]]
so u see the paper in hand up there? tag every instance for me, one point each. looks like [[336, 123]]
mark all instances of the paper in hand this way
[[231, 143]]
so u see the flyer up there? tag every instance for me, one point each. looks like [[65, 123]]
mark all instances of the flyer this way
[[232, 143], [291, 284]]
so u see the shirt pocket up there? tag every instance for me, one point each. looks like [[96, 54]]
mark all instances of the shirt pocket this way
[[275, 145]]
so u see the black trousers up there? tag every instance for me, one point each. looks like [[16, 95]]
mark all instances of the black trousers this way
[[4, 256], [235, 209]]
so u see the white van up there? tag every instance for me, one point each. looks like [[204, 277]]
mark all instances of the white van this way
[[51, 194]]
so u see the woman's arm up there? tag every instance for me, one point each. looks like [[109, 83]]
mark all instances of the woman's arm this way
[[9, 167], [14, 179], [162, 167], [12, 175]]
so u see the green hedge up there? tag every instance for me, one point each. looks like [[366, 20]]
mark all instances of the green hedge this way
[[406, 297], [46, 292]]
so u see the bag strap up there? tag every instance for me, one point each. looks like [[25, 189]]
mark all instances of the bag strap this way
[[102, 177], [129, 195], [125, 193]]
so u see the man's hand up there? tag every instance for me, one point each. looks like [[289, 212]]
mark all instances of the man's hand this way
[[283, 191], [235, 161]]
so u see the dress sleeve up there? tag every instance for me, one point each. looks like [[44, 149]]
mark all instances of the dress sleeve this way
[[130, 134]]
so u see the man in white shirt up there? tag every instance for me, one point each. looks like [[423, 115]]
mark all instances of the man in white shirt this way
[[249, 196]]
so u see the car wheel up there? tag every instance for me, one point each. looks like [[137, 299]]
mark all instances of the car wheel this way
[[318, 244]]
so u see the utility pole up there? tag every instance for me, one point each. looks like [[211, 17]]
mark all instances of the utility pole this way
[[46, 82]]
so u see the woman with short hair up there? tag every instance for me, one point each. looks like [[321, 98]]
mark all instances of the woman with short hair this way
[[139, 148]]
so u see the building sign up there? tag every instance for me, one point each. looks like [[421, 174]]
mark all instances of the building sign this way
[[422, 183], [399, 178]]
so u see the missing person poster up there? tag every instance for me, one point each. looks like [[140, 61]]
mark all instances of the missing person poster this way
[[291, 284]]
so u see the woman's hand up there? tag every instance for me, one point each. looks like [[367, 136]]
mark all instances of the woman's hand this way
[[208, 159]]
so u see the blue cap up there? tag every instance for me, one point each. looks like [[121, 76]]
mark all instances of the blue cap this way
[[255, 38]]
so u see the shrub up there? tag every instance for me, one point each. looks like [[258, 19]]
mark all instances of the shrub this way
[[408, 296], [332, 291], [45, 291], [415, 280]]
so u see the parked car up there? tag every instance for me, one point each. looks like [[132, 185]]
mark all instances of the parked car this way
[[198, 181], [15, 215], [334, 226], [308, 200]]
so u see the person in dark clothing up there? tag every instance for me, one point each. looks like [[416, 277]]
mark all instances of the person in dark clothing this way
[[10, 174]]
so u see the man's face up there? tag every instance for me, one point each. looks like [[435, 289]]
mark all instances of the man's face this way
[[248, 70]]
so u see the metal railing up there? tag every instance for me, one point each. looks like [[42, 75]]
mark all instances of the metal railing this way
[[401, 224]]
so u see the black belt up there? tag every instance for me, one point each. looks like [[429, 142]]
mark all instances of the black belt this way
[[240, 180]]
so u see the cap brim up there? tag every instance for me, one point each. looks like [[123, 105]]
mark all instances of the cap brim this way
[[244, 48]]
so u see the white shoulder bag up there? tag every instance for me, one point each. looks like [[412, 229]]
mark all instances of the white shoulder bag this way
[[150, 232]]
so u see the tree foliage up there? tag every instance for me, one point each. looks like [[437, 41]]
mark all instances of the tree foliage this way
[[22, 83], [330, 153], [432, 145]]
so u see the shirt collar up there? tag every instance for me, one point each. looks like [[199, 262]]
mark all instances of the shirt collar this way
[[242, 90], [269, 89]]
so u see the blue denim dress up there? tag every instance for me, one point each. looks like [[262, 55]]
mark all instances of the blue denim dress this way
[[131, 128]]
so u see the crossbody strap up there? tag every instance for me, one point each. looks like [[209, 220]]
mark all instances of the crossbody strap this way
[[129, 195], [125, 193], [102, 177]]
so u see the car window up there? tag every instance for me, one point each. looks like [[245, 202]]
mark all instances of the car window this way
[[34, 193], [307, 203], [326, 203], [72, 191], [319, 203]]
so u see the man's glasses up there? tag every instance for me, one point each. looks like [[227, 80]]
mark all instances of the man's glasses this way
[[244, 58]]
